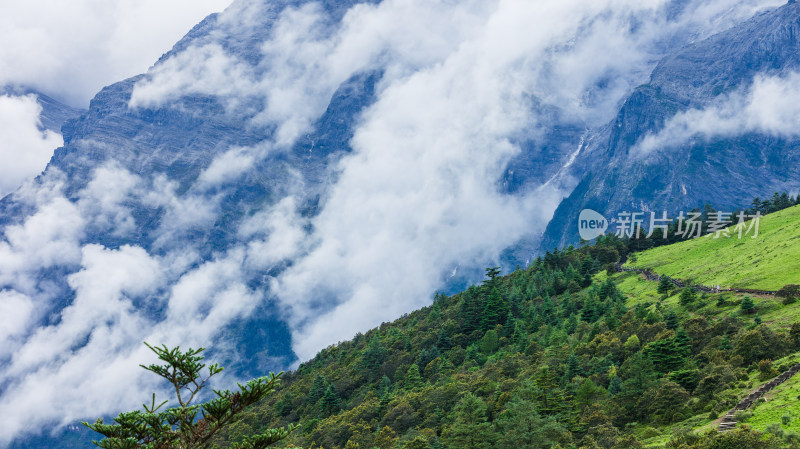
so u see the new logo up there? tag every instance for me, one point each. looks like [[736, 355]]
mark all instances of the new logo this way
[[591, 224]]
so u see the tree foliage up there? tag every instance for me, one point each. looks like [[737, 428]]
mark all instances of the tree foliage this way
[[188, 425]]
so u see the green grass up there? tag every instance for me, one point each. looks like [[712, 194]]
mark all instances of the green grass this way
[[782, 400], [773, 313], [767, 262]]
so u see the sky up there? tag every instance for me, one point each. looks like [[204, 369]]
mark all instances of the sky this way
[[415, 198]]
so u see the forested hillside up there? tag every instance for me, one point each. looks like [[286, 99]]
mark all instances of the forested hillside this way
[[564, 353]]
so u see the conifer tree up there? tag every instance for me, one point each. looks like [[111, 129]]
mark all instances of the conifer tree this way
[[188, 425], [470, 430], [373, 357], [470, 310], [747, 305], [589, 311], [550, 399], [330, 402], [671, 320], [664, 286], [413, 378], [615, 386], [573, 367], [521, 426], [495, 310], [687, 296], [683, 343], [385, 387], [443, 341], [318, 388]]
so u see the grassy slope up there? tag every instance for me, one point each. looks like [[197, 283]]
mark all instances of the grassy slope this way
[[775, 315], [767, 262], [779, 402]]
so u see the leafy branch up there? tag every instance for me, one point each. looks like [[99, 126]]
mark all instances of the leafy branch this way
[[188, 425]]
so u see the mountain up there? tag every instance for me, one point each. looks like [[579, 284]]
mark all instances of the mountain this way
[[579, 357], [714, 78], [291, 173]]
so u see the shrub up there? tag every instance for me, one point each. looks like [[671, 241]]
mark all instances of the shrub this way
[[788, 291]]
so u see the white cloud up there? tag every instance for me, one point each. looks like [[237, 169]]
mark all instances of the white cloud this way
[[769, 106], [85, 364], [72, 49], [281, 232], [182, 213], [419, 193], [16, 313], [24, 147], [46, 239], [206, 70], [58, 360], [104, 197], [226, 167]]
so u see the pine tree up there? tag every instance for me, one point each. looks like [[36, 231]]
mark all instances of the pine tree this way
[[373, 357], [385, 387], [284, 406], [470, 430], [687, 296], [318, 388], [747, 306], [784, 201], [521, 426], [756, 205], [427, 355], [665, 354], [671, 320], [550, 399], [330, 402], [413, 379], [573, 367], [683, 343], [189, 425], [615, 386], [609, 288], [664, 286], [443, 341], [470, 310], [588, 312]]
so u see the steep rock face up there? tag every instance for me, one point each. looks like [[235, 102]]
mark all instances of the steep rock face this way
[[725, 169]]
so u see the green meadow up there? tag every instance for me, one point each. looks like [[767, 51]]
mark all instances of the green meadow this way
[[767, 262]]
